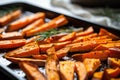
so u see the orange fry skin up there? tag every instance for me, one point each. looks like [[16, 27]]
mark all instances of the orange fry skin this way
[[10, 17], [33, 26], [67, 70], [24, 51], [110, 35], [8, 44], [102, 55], [68, 37], [25, 21], [56, 22], [31, 70], [86, 32], [81, 71], [11, 35]]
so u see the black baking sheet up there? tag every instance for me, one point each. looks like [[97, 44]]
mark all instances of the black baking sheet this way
[[12, 70]]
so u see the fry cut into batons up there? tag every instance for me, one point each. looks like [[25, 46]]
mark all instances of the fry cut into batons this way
[[67, 70], [11, 35], [68, 37], [16, 25], [8, 44], [86, 32], [112, 73], [33, 25], [51, 66], [86, 45], [102, 55], [81, 71], [24, 51], [114, 62], [17, 60], [47, 26], [91, 65], [109, 34], [32, 71], [10, 17]]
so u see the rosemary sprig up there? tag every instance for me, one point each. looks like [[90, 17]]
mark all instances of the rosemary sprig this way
[[52, 32], [7, 10]]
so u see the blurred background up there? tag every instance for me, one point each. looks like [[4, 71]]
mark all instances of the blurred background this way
[[104, 12]]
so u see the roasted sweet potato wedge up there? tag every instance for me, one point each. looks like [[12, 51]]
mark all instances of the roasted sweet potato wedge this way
[[110, 35], [102, 55], [58, 45], [51, 66], [2, 30], [112, 73], [36, 61], [91, 65], [56, 22], [10, 17], [41, 56], [60, 20], [81, 71], [18, 24], [62, 52], [84, 38], [68, 37], [31, 70], [114, 62], [24, 51], [86, 32], [33, 25], [7, 44], [67, 70], [11, 35], [86, 45]]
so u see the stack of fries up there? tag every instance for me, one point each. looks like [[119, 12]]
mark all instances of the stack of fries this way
[[86, 49]]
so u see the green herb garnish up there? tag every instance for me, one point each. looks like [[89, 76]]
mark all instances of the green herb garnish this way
[[7, 10], [52, 32]]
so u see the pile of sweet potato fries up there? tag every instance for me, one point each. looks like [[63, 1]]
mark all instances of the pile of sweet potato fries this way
[[87, 49]]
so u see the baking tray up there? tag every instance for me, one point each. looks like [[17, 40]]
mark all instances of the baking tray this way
[[12, 70]]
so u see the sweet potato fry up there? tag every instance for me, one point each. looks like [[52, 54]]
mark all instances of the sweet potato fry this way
[[24, 51], [42, 28], [41, 56], [86, 45], [17, 60], [68, 37], [114, 62], [7, 44], [33, 25], [60, 20], [102, 55], [109, 34], [44, 47], [67, 70], [91, 65], [11, 35], [86, 32], [81, 71], [10, 17], [62, 52], [25, 21], [108, 45], [32, 39], [47, 26], [51, 66], [31, 70], [84, 38], [112, 73]]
